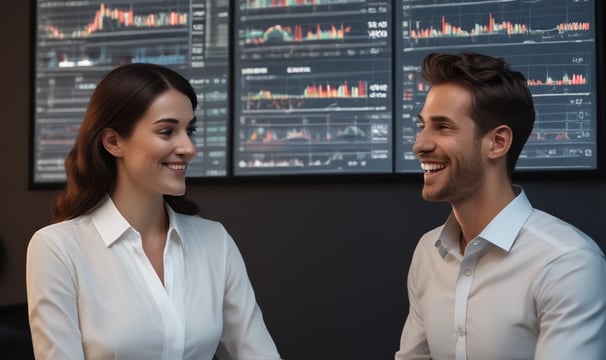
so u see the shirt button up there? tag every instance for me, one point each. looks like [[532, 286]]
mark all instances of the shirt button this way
[[460, 332], [467, 272]]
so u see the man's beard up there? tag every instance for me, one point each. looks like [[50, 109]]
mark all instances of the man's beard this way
[[463, 182]]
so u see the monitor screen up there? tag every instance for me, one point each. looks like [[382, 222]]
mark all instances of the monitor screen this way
[[312, 84], [77, 42], [551, 42]]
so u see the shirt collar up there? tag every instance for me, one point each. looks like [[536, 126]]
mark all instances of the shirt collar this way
[[504, 228], [501, 231], [175, 226], [111, 225], [449, 238]]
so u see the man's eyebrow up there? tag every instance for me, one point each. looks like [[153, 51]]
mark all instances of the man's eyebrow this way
[[436, 118]]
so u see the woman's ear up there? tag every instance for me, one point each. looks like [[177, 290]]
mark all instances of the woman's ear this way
[[500, 141], [111, 143]]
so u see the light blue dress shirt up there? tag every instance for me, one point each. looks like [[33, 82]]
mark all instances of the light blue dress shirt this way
[[530, 286]]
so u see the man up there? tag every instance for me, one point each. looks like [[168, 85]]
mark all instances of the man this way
[[499, 280]]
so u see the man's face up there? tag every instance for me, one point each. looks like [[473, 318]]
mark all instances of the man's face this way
[[447, 146]]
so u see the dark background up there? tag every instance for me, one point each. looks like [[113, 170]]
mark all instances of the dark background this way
[[328, 258]]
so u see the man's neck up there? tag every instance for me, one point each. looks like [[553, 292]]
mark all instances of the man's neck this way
[[475, 213]]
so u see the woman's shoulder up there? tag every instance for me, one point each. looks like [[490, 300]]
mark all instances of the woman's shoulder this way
[[203, 234], [64, 239], [62, 231], [196, 221], [200, 226], [66, 225]]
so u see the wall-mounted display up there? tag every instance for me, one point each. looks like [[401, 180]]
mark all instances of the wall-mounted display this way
[[317, 87], [77, 42], [312, 87], [551, 42]]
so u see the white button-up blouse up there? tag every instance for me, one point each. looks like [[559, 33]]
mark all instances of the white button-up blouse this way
[[93, 294]]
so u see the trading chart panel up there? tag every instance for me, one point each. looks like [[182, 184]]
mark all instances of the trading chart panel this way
[[77, 42], [312, 87], [551, 42]]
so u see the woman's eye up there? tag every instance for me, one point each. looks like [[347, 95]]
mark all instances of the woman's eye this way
[[191, 130], [166, 131]]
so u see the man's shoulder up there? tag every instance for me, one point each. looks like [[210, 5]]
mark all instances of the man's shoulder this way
[[557, 233], [433, 233], [430, 237]]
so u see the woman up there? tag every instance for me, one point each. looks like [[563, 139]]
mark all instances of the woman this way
[[128, 270]]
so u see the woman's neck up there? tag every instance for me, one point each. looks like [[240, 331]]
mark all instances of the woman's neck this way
[[146, 214]]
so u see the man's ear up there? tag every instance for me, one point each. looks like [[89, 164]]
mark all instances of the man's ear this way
[[500, 141], [111, 143]]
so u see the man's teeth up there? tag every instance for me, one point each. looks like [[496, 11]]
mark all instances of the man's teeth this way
[[177, 166], [432, 166]]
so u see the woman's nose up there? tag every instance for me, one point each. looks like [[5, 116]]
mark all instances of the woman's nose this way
[[186, 146]]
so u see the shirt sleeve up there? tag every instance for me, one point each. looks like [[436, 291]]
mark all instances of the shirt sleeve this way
[[413, 342], [51, 298], [245, 336], [571, 307]]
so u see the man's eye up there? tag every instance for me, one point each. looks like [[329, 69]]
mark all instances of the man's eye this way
[[419, 125]]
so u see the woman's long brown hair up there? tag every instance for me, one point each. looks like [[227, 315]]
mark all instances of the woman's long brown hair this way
[[118, 102]]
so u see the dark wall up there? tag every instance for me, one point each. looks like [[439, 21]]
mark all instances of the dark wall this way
[[328, 260]]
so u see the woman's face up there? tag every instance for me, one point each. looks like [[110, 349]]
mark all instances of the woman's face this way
[[154, 158]]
